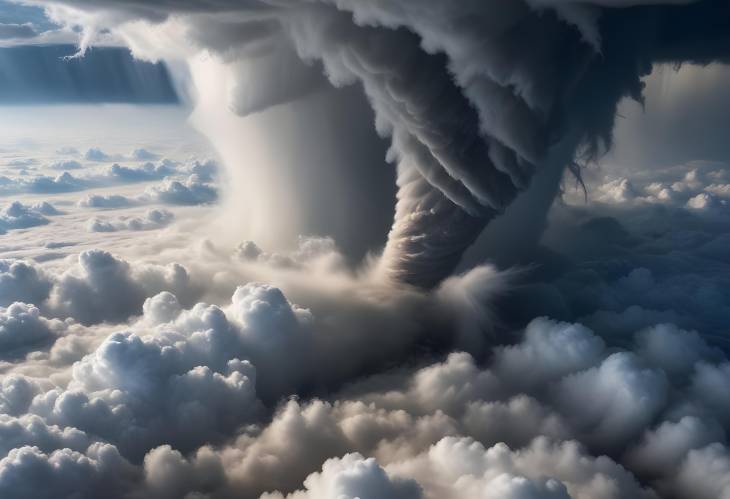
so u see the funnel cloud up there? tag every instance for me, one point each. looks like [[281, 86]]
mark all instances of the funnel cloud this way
[[473, 100]]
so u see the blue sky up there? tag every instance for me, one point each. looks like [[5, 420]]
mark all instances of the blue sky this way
[[13, 13]]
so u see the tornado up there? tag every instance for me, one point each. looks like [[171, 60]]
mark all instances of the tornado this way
[[472, 95]]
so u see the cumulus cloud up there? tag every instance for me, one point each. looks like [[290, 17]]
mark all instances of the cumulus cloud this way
[[179, 396], [456, 467], [22, 281], [99, 471], [45, 208], [104, 288], [22, 329], [194, 190], [311, 251], [106, 396], [105, 201], [146, 172], [21, 162], [99, 287], [68, 151], [112, 175], [152, 219], [206, 170], [695, 186], [352, 476], [16, 215], [69, 164], [96, 154], [420, 451], [65, 182], [144, 155]]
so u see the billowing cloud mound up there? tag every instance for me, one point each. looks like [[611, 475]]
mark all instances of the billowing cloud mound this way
[[104, 288], [153, 219], [22, 329], [69, 164], [473, 99], [194, 190], [99, 288], [21, 281], [185, 402], [352, 476], [19, 216], [105, 201]]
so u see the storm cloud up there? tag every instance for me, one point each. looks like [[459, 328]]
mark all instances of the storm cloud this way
[[471, 107]]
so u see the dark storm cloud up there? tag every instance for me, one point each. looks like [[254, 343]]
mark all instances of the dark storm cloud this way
[[471, 104]]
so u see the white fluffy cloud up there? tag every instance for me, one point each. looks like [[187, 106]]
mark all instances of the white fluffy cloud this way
[[21, 281], [461, 467], [23, 329], [350, 477], [66, 164], [99, 287], [696, 186], [194, 190], [179, 393], [152, 219], [105, 201], [104, 288], [18, 216]]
